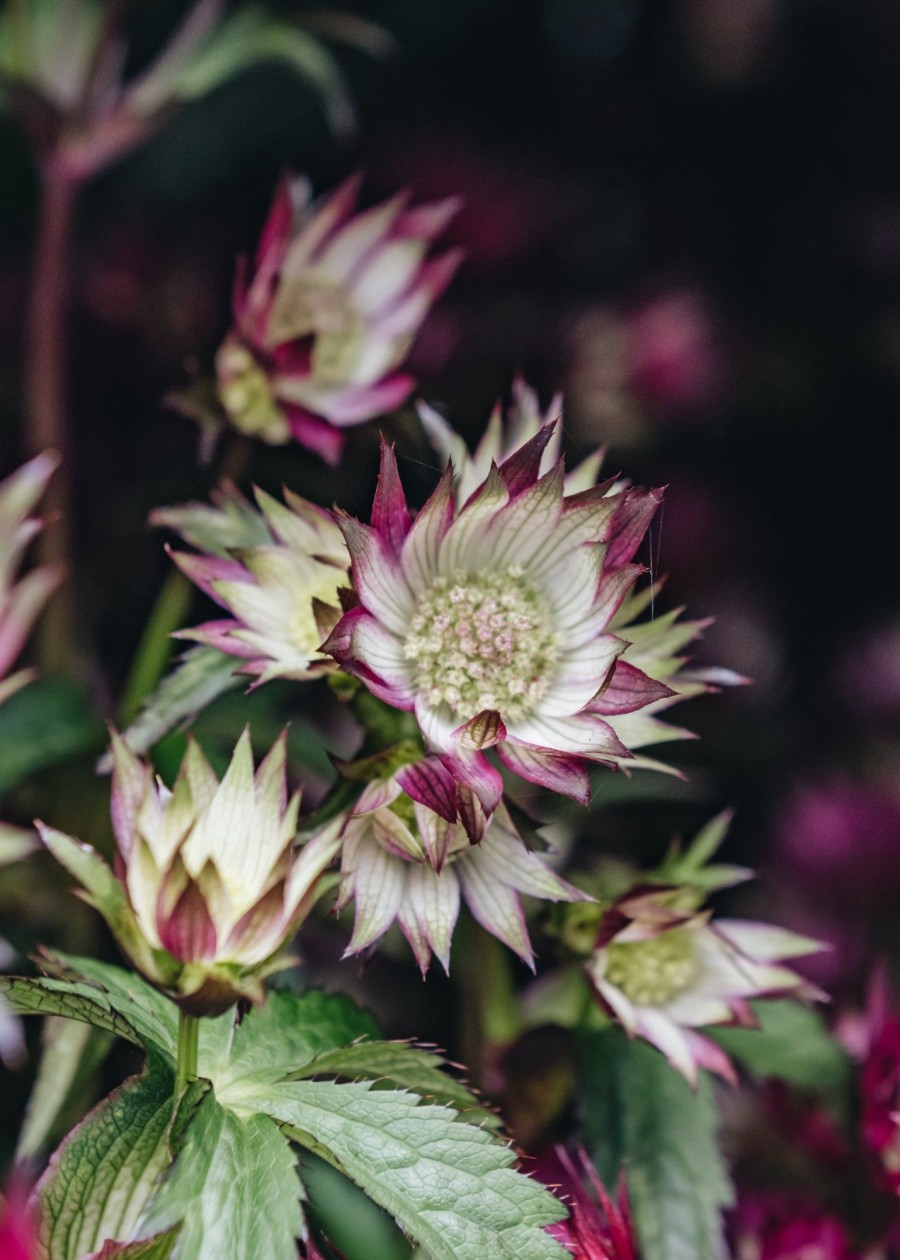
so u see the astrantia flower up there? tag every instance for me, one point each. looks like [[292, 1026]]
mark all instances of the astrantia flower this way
[[213, 882], [597, 1228], [656, 645], [663, 971], [491, 622], [391, 846], [277, 572], [505, 434], [20, 602], [322, 328]]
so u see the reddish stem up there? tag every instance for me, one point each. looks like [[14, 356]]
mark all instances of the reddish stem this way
[[46, 419]]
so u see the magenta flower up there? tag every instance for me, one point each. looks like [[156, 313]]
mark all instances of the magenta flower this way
[[880, 1096], [491, 621], [663, 971], [324, 324], [598, 1227], [787, 1227]]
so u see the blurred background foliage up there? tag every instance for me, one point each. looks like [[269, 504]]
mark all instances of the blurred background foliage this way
[[686, 215]]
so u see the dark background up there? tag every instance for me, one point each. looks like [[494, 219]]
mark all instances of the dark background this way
[[686, 215]]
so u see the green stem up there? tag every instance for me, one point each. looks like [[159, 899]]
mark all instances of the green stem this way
[[188, 1046], [155, 647]]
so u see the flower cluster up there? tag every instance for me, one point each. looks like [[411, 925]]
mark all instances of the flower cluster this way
[[491, 621], [323, 325]]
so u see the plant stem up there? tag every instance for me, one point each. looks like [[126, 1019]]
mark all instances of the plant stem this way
[[188, 1045], [46, 423], [155, 647]]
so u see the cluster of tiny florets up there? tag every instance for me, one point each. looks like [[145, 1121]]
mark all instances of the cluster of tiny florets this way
[[652, 972], [483, 641]]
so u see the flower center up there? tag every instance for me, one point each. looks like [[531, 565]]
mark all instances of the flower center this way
[[483, 641], [651, 973]]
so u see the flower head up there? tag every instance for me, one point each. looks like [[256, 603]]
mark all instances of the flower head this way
[[787, 1227], [656, 645], [663, 971], [401, 861], [277, 571], [323, 326], [491, 621], [213, 884], [20, 602]]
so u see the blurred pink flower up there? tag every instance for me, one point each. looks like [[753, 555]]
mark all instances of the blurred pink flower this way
[[880, 1102], [18, 1229], [329, 314], [780, 1227]]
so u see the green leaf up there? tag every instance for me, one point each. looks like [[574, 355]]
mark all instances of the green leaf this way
[[62, 1089], [246, 39], [639, 1111], [158, 1248], [43, 724], [791, 1044], [26, 995], [451, 1187], [15, 843], [409, 1066], [286, 1033], [200, 677], [99, 1181], [233, 1190]]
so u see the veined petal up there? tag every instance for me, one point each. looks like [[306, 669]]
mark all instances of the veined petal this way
[[429, 783], [555, 771], [379, 579], [428, 913], [390, 515], [629, 689], [495, 906], [378, 886], [585, 734]]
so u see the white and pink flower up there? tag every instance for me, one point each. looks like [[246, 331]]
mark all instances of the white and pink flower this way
[[663, 971], [491, 621], [213, 884], [401, 862], [278, 571], [324, 325]]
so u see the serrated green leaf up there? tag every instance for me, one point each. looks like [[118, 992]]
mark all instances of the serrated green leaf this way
[[99, 1181], [791, 1044], [640, 1112], [27, 995], [151, 1016], [71, 1054], [43, 724], [450, 1186], [201, 676], [408, 1066], [286, 1033], [233, 1190]]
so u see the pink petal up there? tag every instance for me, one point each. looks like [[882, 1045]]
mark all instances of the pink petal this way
[[390, 515], [422, 545], [629, 689], [429, 783], [630, 524], [315, 434], [523, 467], [556, 771]]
